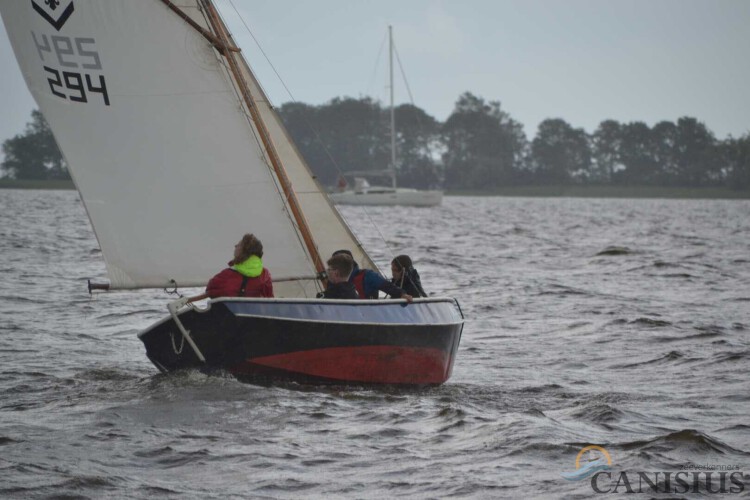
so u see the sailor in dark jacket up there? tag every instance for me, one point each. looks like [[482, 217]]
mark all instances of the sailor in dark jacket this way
[[406, 277], [339, 268]]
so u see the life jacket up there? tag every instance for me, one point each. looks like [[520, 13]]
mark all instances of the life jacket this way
[[252, 267], [359, 283], [231, 283]]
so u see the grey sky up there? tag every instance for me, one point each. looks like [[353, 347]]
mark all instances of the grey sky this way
[[580, 60]]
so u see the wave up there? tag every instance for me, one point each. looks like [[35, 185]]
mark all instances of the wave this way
[[17, 299], [72, 487], [709, 331], [615, 250], [661, 264], [564, 291], [686, 440], [670, 357], [95, 482], [651, 322], [107, 374], [599, 413], [6, 440], [677, 275], [731, 356], [738, 427], [157, 491], [704, 332], [540, 388]]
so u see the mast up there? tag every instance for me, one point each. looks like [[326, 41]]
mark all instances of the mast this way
[[393, 112], [220, 32]]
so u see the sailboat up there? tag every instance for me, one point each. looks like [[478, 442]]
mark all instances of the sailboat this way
[[363, 193], [176, 151]]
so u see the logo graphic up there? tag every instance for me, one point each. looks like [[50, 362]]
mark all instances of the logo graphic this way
[[53, 11], [602, 461]]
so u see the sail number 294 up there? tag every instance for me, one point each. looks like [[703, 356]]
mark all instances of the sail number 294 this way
[[63, 57], [73, 86]]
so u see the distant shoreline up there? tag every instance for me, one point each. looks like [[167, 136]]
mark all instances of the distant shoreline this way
[[511, 191], [34, 184], [608, 192]]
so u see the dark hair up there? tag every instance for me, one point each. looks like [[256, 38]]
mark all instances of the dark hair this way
[[403, 262], [342, 263], [344, 252], [249, 245]]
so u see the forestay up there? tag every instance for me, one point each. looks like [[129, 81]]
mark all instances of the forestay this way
[[169, 165]]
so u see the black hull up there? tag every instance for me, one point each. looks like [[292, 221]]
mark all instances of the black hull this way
[[314, 341]]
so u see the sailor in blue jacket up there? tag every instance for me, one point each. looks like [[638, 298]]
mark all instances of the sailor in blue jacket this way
[[368, 282]]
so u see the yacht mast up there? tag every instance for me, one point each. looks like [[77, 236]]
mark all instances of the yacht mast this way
[[393, 113]]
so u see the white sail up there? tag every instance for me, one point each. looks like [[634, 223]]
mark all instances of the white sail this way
[[160, 145]]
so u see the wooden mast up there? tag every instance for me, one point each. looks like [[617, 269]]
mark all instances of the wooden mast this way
[[218, 44], [220, 31]]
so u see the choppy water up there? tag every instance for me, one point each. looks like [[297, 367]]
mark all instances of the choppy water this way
[[621, 323]]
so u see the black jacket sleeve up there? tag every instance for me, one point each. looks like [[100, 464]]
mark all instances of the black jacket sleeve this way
[[386, 286]]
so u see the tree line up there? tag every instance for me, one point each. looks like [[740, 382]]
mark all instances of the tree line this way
[[34, 155], [481, 147], [478, 147]]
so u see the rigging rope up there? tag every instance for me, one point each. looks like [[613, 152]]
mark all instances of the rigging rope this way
[[377, 64], [408, 89], [174, 346]]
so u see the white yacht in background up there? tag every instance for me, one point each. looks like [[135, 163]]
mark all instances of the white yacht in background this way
[[365, 194]]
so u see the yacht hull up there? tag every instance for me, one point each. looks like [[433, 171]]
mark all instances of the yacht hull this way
[[315, 341], [406, 197]]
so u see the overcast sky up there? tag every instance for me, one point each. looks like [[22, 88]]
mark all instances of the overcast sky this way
[[580, 60]]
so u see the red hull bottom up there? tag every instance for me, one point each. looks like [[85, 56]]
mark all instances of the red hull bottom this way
[[358, 364]]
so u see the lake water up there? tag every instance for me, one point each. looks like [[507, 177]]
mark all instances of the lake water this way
[[618, 323]]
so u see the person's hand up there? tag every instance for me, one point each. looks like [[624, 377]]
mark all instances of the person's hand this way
[[408, 297]]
